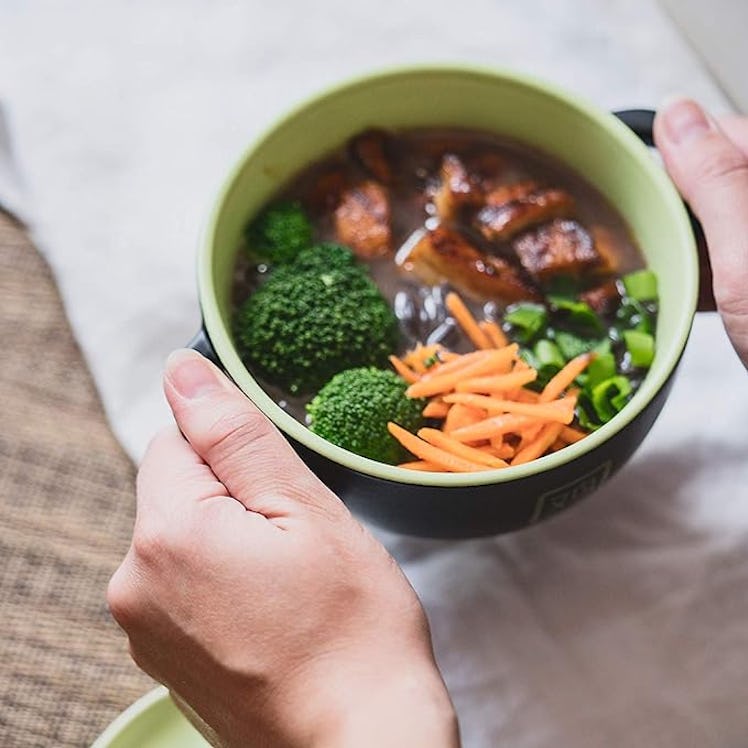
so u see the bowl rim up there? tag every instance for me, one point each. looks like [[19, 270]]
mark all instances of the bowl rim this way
[[656, 378]]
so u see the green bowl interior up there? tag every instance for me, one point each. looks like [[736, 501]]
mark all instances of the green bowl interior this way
[[592, 142]]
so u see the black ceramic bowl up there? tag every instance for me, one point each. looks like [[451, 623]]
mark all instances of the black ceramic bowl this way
[[592, 142]]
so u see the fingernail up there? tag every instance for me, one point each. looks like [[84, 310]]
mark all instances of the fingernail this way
[[684, 120], [191, 374]]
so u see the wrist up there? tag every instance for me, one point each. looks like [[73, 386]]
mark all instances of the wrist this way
[[406, 706]]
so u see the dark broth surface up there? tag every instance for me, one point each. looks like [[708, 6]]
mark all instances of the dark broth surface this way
[[416, 157]]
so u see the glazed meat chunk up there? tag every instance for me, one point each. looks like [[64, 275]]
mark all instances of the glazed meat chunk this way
[[372, 149], [561, 247], [362, 220], [456, 189], [443, 253], [514, 208]]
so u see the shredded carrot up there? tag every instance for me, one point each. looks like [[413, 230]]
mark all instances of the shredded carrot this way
[[404, 370], [494, 333], [466, 321], [437, 409], [548, 434], [417, 357], [462, 415], [489, 417], [565, 377], [498, 383], [570, 435], [441, 440], [559, 410], [421, 465], [492, 362], [501, 448], [489, 428], [428, 452]]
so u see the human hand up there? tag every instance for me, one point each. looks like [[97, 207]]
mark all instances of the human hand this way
[[254, 595], [708, 161]]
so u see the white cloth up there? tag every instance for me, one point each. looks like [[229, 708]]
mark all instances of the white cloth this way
[[622, 622]]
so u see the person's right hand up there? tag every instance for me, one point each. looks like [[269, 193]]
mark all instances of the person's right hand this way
[[708, 161]]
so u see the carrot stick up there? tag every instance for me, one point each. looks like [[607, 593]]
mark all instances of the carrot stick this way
[[559, 410], [403, 370], [462, 415], [570, 435], [466, 320], [437, 409], [548, 434], [529, 434], [416, 357], [558, 444], [440, 439], [445, 382], [455, 361], [428, 452], [489, 428], [501, 448], [565, 377], [421, 465], [494, 333], [498, 383]]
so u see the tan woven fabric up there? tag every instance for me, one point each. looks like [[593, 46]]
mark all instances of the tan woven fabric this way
[[66, 511]]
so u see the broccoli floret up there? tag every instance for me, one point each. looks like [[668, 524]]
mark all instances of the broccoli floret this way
[[323, 257], [279, 233], [353, 408], [300, 328]]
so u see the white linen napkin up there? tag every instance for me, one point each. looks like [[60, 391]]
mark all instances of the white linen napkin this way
[[621, 622]]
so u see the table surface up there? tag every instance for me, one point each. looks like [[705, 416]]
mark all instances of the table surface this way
[[66, 513]]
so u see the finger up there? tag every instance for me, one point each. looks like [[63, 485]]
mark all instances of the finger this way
[[242, 447], [712, 174]]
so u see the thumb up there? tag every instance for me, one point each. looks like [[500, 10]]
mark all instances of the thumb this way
[[242, 447], [711, 172]]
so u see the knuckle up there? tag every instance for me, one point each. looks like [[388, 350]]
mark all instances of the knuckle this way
[[720, 165], [122, 597]]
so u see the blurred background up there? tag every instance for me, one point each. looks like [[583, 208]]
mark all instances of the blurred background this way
[[118, 122]]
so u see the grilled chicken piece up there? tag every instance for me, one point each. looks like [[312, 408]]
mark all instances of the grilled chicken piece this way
[[561, 247], [443, 253], [456, 189], [605, 244], [372, 150], [362, 220], [602, 299], [514, 208]]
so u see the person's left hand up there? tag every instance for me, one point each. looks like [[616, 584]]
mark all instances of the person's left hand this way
[[253, 594]]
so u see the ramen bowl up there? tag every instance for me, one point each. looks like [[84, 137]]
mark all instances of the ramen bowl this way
[[592, 142]]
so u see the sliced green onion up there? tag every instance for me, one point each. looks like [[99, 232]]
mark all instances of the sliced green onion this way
[[609, 397], [579, 314], [632, 315], [602, 367], [548, 354], [641, 285], [640, 346], [572, 345], [585, 413], [526, 319]]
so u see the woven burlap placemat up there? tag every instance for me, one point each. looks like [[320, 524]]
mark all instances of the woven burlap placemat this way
[[66, 512]]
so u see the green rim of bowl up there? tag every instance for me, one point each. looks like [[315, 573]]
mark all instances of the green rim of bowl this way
[[667, 355]]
